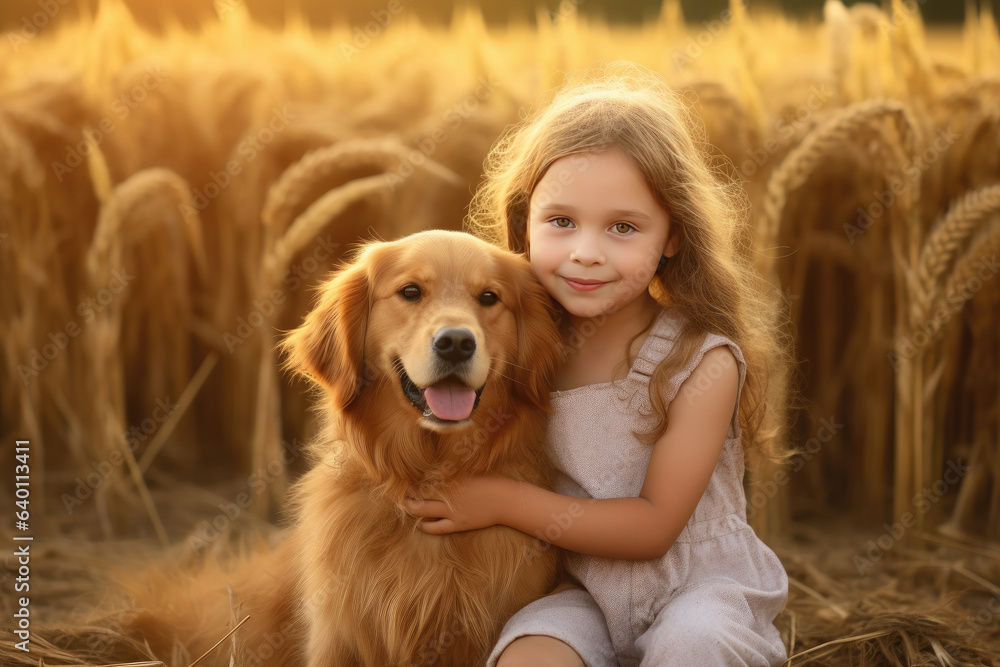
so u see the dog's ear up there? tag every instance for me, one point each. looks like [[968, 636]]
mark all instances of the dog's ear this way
[[328, 348], [539, 345]]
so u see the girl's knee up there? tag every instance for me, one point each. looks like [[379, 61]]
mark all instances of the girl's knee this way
[[539, 651]]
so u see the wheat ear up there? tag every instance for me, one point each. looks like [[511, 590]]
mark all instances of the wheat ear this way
[[339, 163], [947, 235], [307, 225], [951, 298], [141, 190], [828, 137]]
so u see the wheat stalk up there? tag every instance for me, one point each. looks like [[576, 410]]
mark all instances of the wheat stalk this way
[[793, 171], [130, 213], [908, 38], [670, 23], [308, 225], [135, 201], [967, 267], [838, 26], [337, 164], [947, 235]]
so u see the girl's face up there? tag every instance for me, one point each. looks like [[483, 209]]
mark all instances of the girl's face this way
[[596, 233]]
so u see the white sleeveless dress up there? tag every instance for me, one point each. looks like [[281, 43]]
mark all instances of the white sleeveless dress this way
[[713, 597]]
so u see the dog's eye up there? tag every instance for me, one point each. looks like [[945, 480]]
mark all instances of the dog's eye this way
[[488, 298], [410, 293]]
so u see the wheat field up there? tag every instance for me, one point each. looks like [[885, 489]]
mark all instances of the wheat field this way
[[168, 202]]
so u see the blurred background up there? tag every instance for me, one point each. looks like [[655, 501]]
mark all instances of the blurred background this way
[[176, 178], [495, 12]]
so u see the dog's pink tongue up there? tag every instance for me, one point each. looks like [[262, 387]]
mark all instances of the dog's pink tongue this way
[[450, 400]]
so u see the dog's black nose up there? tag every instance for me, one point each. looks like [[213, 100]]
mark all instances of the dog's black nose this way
[[454, 344]]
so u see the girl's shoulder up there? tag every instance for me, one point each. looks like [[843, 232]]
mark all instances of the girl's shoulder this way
[[661, 340], [664, 333]]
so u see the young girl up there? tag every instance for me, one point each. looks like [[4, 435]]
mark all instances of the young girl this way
[[665, 323]]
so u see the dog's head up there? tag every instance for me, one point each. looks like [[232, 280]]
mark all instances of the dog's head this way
[[437, 322]]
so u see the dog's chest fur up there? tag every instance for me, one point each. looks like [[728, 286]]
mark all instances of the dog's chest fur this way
[[366, 574]]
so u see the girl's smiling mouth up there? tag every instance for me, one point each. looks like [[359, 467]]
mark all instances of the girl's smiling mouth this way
[[582, 285]]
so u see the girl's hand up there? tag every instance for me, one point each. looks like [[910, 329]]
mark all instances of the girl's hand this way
[[476, 503]]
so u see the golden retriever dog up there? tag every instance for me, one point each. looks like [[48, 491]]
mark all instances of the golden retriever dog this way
[[436, 353], [433, 356]]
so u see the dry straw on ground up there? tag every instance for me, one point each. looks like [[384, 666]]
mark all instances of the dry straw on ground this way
[[168, 203]]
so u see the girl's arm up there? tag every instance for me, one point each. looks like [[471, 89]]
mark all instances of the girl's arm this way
[[641, 528]]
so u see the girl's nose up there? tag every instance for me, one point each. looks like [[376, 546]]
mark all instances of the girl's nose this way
[[587, 251]]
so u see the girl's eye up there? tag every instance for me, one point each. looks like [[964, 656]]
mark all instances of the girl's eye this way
[[410, 293], [623, 227], [561, 222], [488, 298]]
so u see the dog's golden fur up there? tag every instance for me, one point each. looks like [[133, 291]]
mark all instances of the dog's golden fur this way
[[356, 583]]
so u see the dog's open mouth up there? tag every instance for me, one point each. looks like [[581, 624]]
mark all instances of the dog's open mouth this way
[[448, 399]]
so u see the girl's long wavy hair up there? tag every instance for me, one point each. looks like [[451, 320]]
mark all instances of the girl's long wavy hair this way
[[711, 280]]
